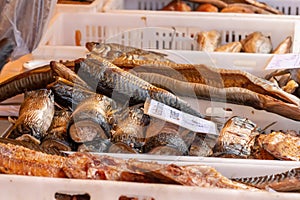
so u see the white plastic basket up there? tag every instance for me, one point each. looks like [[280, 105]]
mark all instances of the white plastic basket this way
[[156, 31], [95, 6], [287, 7], [35, 188]]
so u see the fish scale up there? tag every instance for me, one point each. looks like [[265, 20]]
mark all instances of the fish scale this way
[[286, 181], [117, 80]]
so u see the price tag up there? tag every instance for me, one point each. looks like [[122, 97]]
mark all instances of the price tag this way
[[284, 61], [164, 112]]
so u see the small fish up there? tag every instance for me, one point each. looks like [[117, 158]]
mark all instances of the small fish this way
[[35, 115], [208, 40], [257, 42], [237, 138], [233, 47], [64, 72], [117, 53], [167, 136], [92, 118], [131, 130]]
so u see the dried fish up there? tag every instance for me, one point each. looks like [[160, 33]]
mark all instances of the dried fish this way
[[218, 3], [220, 78], [64, 72], [67, 93], [290, 87], [177, 5], [244, 8], [35, 115], [237, 138], [97, 145], [116, 83], [57, 137], [131, 130], [93, 118], [208, 40], [85, 166], [207, 7], [281, 146], [284, 46], [257, 42], [201, 146], [236, 95], [120, 147], [117, 52], [281, 182], [29, 80], [167, 136], [230, 47], [263, 6], [19, 160]]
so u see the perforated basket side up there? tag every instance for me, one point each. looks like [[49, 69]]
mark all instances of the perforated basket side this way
[[159, 31]]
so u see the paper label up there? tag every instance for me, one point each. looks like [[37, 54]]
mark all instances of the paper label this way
[[284, 61], [164, 112]]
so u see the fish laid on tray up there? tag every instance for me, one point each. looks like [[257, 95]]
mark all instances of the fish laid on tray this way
[[204, 82], [19, 160]]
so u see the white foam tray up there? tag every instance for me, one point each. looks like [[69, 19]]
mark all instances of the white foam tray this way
[[95, 6], [288, 7]]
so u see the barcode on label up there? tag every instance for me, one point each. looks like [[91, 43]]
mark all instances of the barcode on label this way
[[158, 109], [167, 113]]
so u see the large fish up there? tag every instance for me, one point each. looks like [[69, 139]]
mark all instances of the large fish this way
[[112, 81]]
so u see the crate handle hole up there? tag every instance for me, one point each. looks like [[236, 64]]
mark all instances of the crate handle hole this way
[[65, 196], [135, 197]]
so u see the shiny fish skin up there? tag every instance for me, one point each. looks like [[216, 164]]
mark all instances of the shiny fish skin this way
[[237, 138], [117, 52], [221, 78], [30, 80], [236, 95], [35, 115], [96, 109], [67, 93], [281, 182], [64, 72], [111, 80]]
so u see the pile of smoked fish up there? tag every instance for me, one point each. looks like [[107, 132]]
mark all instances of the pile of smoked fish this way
[[224, 6], [255, 42], [96, 104]]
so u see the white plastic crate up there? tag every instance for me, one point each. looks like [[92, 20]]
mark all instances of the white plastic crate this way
[[15, 187], [287, 7], [158, 31], [36, 188], [95, 6]]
